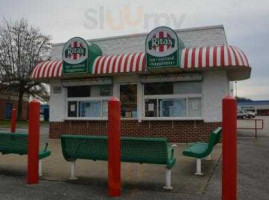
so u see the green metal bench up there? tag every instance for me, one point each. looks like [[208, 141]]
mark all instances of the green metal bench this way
[[136, 150], [202, 150], [17, 143]]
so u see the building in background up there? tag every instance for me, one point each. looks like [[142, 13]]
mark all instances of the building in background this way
[[260, 107], [44, 112], [8, 101], [170, 83]]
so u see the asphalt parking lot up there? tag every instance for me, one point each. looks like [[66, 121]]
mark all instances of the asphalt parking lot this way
[[253, 179]]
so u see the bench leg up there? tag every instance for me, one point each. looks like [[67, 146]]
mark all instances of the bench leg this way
[[199, 167], [168, 180], [73, 176], [40, 168]]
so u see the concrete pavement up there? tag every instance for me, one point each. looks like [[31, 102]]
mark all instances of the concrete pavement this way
[[142, 181], [134, 176], [253, 182]]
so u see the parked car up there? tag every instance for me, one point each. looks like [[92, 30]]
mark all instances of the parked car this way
[[242, 114], [251, 114]]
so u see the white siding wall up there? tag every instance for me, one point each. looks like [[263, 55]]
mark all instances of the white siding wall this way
[[57, 103], [215, 87]]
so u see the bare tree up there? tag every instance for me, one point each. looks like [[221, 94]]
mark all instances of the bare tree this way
[[22, 47]]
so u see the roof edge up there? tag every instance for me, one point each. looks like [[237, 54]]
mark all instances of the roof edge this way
[[146, 33]]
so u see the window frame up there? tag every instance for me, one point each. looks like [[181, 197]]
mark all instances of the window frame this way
[[172, 96], [78, 99]]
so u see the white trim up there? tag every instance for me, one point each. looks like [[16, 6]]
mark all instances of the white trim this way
[[95, 119], [187, 107], [140, 93], [88, 98], [136, 119], [86, 118], [171, 118], [172, 96]]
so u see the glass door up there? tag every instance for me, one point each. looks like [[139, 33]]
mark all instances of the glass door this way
[[128, 98]]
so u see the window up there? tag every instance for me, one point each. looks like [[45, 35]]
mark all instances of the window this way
[[194, 107], [158, 88], [172, 107], [88, 101], [93, 108], [172, 99], [72, 109], [128, 98], [172, 88], [79, 91]]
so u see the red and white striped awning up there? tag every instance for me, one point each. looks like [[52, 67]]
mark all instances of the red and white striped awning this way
[[107, 64], [124, 63], [230, 58], [47, 69], [216, 56]]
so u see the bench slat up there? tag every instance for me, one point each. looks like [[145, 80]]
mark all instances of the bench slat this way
[[136, 150], [17, 143]]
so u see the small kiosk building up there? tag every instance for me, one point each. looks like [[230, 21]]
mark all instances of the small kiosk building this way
[[170, 83]]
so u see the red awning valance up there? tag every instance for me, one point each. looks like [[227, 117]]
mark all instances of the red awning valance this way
[[230, 58], [47, 69], [124, 63], [216, 56]]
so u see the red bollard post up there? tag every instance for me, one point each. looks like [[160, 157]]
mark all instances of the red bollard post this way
[[13, 121], [33, 142], [114, 154], [229, 148]]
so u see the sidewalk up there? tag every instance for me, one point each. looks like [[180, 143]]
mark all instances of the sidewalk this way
[[252, 175], [143, 177], [140, 181]]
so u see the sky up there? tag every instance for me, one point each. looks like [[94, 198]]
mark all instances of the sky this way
[[246, 24]]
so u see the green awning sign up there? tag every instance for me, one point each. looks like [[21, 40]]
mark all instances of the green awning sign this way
[[163, 48], [75, 56]]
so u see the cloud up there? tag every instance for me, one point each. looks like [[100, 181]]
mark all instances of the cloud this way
[[246, 24]]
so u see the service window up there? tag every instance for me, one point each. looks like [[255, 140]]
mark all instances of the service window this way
[[173, 99], [88, 101], [128, 98]]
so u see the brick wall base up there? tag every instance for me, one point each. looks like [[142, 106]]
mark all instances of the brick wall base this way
[[174, 131]]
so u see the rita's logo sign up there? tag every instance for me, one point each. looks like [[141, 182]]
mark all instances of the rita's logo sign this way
[[161, 42], [75, 56], [162, 48], [75, 51]]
